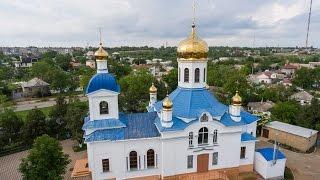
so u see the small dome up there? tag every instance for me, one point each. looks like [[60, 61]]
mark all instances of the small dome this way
[[102, 81], [167, 103], [236, 99], [193, 48], [101, 53], [153, 89]]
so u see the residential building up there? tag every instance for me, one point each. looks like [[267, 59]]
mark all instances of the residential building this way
[[260, 108], [35, 87], [303, 97]]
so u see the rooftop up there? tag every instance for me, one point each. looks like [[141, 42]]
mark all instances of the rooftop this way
[[292, 129], [267, 153]]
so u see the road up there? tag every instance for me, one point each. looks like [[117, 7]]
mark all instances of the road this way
[[303, 166], [28, 105]]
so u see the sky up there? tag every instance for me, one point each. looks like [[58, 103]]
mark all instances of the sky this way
[[157, 22]]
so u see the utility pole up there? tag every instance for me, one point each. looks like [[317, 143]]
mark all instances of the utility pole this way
[[307, 38]]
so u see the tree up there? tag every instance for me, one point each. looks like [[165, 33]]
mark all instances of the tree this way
[[171, 79], [63, 61], [11, 125], [45, 160], [135, 91], [57, 122], [35, 125], [304, 78], [286, 112], [74, 118]]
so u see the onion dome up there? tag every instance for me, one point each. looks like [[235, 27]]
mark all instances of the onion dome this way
[[167, 103], [236, 99], [103, 81], [101, 54], [153, 89], [193, 48]]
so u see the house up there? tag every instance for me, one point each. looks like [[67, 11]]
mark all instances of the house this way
[[270, 163], [90, 55], [297, 137], [286, 82], [35, 87], [303, 97], [25, 61], [187, 132], [260, 107], [289, 69], [261, 78], [91, 63]]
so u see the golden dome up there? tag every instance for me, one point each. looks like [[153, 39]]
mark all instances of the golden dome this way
[[153, 89], [193, 48], [236, 99], [167, 103], [101, 53]]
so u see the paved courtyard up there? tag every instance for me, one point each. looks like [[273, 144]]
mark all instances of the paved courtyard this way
[[303, 166], [9, 164]]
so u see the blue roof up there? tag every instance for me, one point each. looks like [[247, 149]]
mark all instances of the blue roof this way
[[247, 137], [267, 153], [102, 81], [177, 125], [191, 102], [103, 124], [137, 125]]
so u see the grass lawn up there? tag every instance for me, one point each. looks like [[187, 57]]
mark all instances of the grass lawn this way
[[23, 114]]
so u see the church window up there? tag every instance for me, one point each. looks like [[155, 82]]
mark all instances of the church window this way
[[191, 139], [243, 152], [179, 74], [204, 75], [197, 75], [204, 118], [215, 158], [190, 161], [186, 75], [105, 165], [150, 158], [215, 136], [104, 109], [133, 158], [203, 136]]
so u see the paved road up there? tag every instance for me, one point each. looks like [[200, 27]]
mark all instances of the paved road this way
[[9, 164], [28, 105], [303, 166]]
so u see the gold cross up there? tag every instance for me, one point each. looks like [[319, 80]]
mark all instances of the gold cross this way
[[100, 35], [194, 12]]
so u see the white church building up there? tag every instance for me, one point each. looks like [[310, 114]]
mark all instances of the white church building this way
[[188, 132]]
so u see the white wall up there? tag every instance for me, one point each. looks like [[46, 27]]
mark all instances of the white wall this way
[[250, 150], [103, 95], [250, 128], [266, 169], [192, 65], [117, 151]]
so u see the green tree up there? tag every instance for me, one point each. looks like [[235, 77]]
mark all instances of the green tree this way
[[11, 125], [74, 118], [304, 78], [57, 122], [35, 125], [171, 79], [286, 112], [45, 160], [63, 61]]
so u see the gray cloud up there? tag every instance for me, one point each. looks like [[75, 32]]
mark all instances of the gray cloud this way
[[154, 22]]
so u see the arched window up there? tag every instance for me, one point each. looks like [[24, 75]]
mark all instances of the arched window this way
[[150, 158], [197, 75], [179, 74], [215, 136], [204, 118], [204, 75], [190, 138], [203, 136], [186, 75], [133, 160], [104, 109]]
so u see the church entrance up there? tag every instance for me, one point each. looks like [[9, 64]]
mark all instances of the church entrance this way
[[202, 162]]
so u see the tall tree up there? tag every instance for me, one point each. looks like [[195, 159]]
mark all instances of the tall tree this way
[[57, 122], [35, 125], [11, 125], [45, 160], [286, 112]]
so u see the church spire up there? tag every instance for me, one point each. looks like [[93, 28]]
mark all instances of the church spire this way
[[101, 57]]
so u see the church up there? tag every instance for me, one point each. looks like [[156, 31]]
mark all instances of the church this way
[[186, 133]]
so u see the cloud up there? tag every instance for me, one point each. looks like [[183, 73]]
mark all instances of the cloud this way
[[154, 22]]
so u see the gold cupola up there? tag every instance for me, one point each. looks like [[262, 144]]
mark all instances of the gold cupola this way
[[167, 103], [101, 54], [193, 48], [236, 99], [152, 88]]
